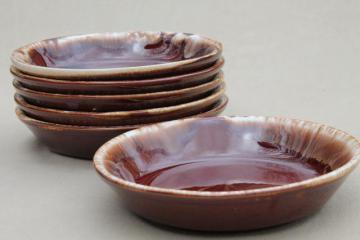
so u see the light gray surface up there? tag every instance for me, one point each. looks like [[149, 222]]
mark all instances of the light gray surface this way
[[291, 58]]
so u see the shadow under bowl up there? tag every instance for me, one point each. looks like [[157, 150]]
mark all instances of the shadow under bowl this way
[[227, 173], [117, 55], [123, 102], [115, 86], [83, 141]]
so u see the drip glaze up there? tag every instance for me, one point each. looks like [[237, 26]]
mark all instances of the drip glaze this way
[[269, 166]]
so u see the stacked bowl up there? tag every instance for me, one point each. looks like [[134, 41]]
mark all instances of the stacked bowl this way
[[77, 92]]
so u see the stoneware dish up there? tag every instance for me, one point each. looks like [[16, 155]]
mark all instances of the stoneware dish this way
[[123, 102], [118, 117], [227, 173], [117, 55], [82, 141], [118, 86]]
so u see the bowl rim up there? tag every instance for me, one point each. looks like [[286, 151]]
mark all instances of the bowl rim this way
[[220, 105], [215, 96], [218, 80], [207, 72], [99, 160], [19, 55]]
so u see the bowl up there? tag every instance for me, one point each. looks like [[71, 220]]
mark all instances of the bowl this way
[[83, 141], [115, 86], [227, 173], [118, 117], [117, 55], [123, 102]]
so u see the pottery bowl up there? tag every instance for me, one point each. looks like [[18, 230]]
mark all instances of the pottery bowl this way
[[115, 86], [119, 117], [122, 102], [83, 141], [197, 173], [117, 55]]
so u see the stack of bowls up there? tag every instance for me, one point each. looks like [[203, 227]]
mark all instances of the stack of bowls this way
[[77, 92]]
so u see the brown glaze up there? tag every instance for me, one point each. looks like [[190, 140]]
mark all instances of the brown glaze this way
[[124, 102], [119, 117], [131, 54], [83, 141], [262, 167], [115, 86], [220, 162]]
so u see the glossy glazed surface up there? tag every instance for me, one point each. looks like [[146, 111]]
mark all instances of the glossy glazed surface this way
[[116, 86], [104, 103], [215, 155], [265, 166], [83, 141], [298, 164], [116, 54], [122, 117]]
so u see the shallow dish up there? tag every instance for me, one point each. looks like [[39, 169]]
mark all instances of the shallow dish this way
[[118, 117], [128, 54], [123, 102], [227, 173], [89, 86], [83, 141]]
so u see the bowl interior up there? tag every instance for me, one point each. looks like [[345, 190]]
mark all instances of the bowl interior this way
[[226, 154], [115, 50]]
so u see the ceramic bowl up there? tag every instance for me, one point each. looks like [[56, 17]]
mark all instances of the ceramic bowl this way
[[153, 168], [118, 86], [123, 102], [117, 55], [118, 117], [82, 141]]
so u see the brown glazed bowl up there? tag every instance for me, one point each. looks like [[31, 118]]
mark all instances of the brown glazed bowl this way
[[117, 55], [118, 86], [83, 141], [123, 102], [126, 159], [119, 117]]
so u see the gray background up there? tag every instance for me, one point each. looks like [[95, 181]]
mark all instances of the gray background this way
[[297, 59]]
